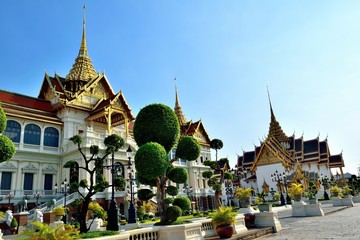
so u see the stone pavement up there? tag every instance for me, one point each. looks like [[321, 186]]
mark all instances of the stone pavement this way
[[338, 223]]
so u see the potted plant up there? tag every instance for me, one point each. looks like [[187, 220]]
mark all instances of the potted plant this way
[[346, 191], [335, 191], [13, 225], [295, 191], [223, 219], [59, 212], [263, 205], [243, 194], [311, 194]]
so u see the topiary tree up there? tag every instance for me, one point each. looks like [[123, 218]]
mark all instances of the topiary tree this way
[[172, 213], [157, 132], [216, 166], [183, 203], [97, 182], [7, 147]]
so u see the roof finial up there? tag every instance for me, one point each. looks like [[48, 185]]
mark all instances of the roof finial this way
[[178, 111], [271, 110], [83, 49]]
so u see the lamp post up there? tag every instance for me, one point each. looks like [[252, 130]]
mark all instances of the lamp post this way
[[9, 196], [63, 190], [325, 182], [131, 212], [37, 196], [113, 216], [278, 178]]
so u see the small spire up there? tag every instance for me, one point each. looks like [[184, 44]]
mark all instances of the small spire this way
[[178, 111], [83, 68], [275, 130]]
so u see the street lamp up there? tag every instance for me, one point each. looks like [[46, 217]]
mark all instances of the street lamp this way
[[131, 211], [278, 178], [63, 190], [9, 196], [113, 216], [37, 196], [325, 182]]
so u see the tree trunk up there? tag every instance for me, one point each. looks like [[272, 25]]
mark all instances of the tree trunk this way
[[217, 199], [82, 215], [160, 196]]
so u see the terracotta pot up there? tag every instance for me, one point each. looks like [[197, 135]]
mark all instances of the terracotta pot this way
[[225, 231], [249, 220], [13, 231]]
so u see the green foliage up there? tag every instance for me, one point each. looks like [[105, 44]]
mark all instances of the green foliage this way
[[3, 120], [207, 174], [182, 202], [168, 200], [119, 183], [14, 223], [7, 148], [70, 164], [228, 176], [83, 183], [97, 211], [59, 211], [113, 143], [188, 148], [101, 184], [212, 181], [178, 175], [216, 144], [74, 186], [145, 181], [212, 164], [172, 190], [145, 194], [223, 216], [157, 123], [151, 160], [243, 192], [172, 213], [224, 160], [216, 187], [97, 234], [77, 139], [94, 149], [38, 230], [312, 190]]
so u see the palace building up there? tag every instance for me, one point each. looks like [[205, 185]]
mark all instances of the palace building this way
[[281, 160], [83, 102]]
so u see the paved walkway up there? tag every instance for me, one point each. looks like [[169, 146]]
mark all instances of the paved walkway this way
[[338, 223]]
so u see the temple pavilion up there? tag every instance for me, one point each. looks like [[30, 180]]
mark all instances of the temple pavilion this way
[[280, 160]]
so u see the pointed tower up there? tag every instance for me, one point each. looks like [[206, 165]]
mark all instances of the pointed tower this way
[[275, 130], [82, 70], [178, 111]]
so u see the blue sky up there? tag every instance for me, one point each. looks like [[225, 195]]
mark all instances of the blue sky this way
[[223, 54]]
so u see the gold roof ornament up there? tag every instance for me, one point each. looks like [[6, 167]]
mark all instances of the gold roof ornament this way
[[82, 69], [178, 111], [275, 130]]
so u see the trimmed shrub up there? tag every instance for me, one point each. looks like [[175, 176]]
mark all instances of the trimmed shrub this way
[[182, 202], [151, 160], [172, 190], [145, 194], [188, 148], [172, 213], [178, 175]]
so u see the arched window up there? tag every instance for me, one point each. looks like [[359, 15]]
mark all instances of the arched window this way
[[13, 130], [51, 137], [32, 134]]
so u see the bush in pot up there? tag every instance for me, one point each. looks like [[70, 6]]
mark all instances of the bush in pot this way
[[223, 219], [295, 191], [243, 194]]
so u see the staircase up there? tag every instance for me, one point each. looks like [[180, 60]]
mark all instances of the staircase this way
[[59, 202]]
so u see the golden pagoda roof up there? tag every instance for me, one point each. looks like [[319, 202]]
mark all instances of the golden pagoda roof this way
[[83, 68], [178, 110], [275, 130]]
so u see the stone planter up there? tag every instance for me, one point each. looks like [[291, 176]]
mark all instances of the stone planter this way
[[313, 201], [265, 207], [244, 202]]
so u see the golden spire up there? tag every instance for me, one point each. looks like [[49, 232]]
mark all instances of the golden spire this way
[[178, 111], [82, 69], [275, 130]]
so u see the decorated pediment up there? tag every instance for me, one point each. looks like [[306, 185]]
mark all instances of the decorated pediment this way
[[267, 157], [49, 169], [8, 165], [29, 168]]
